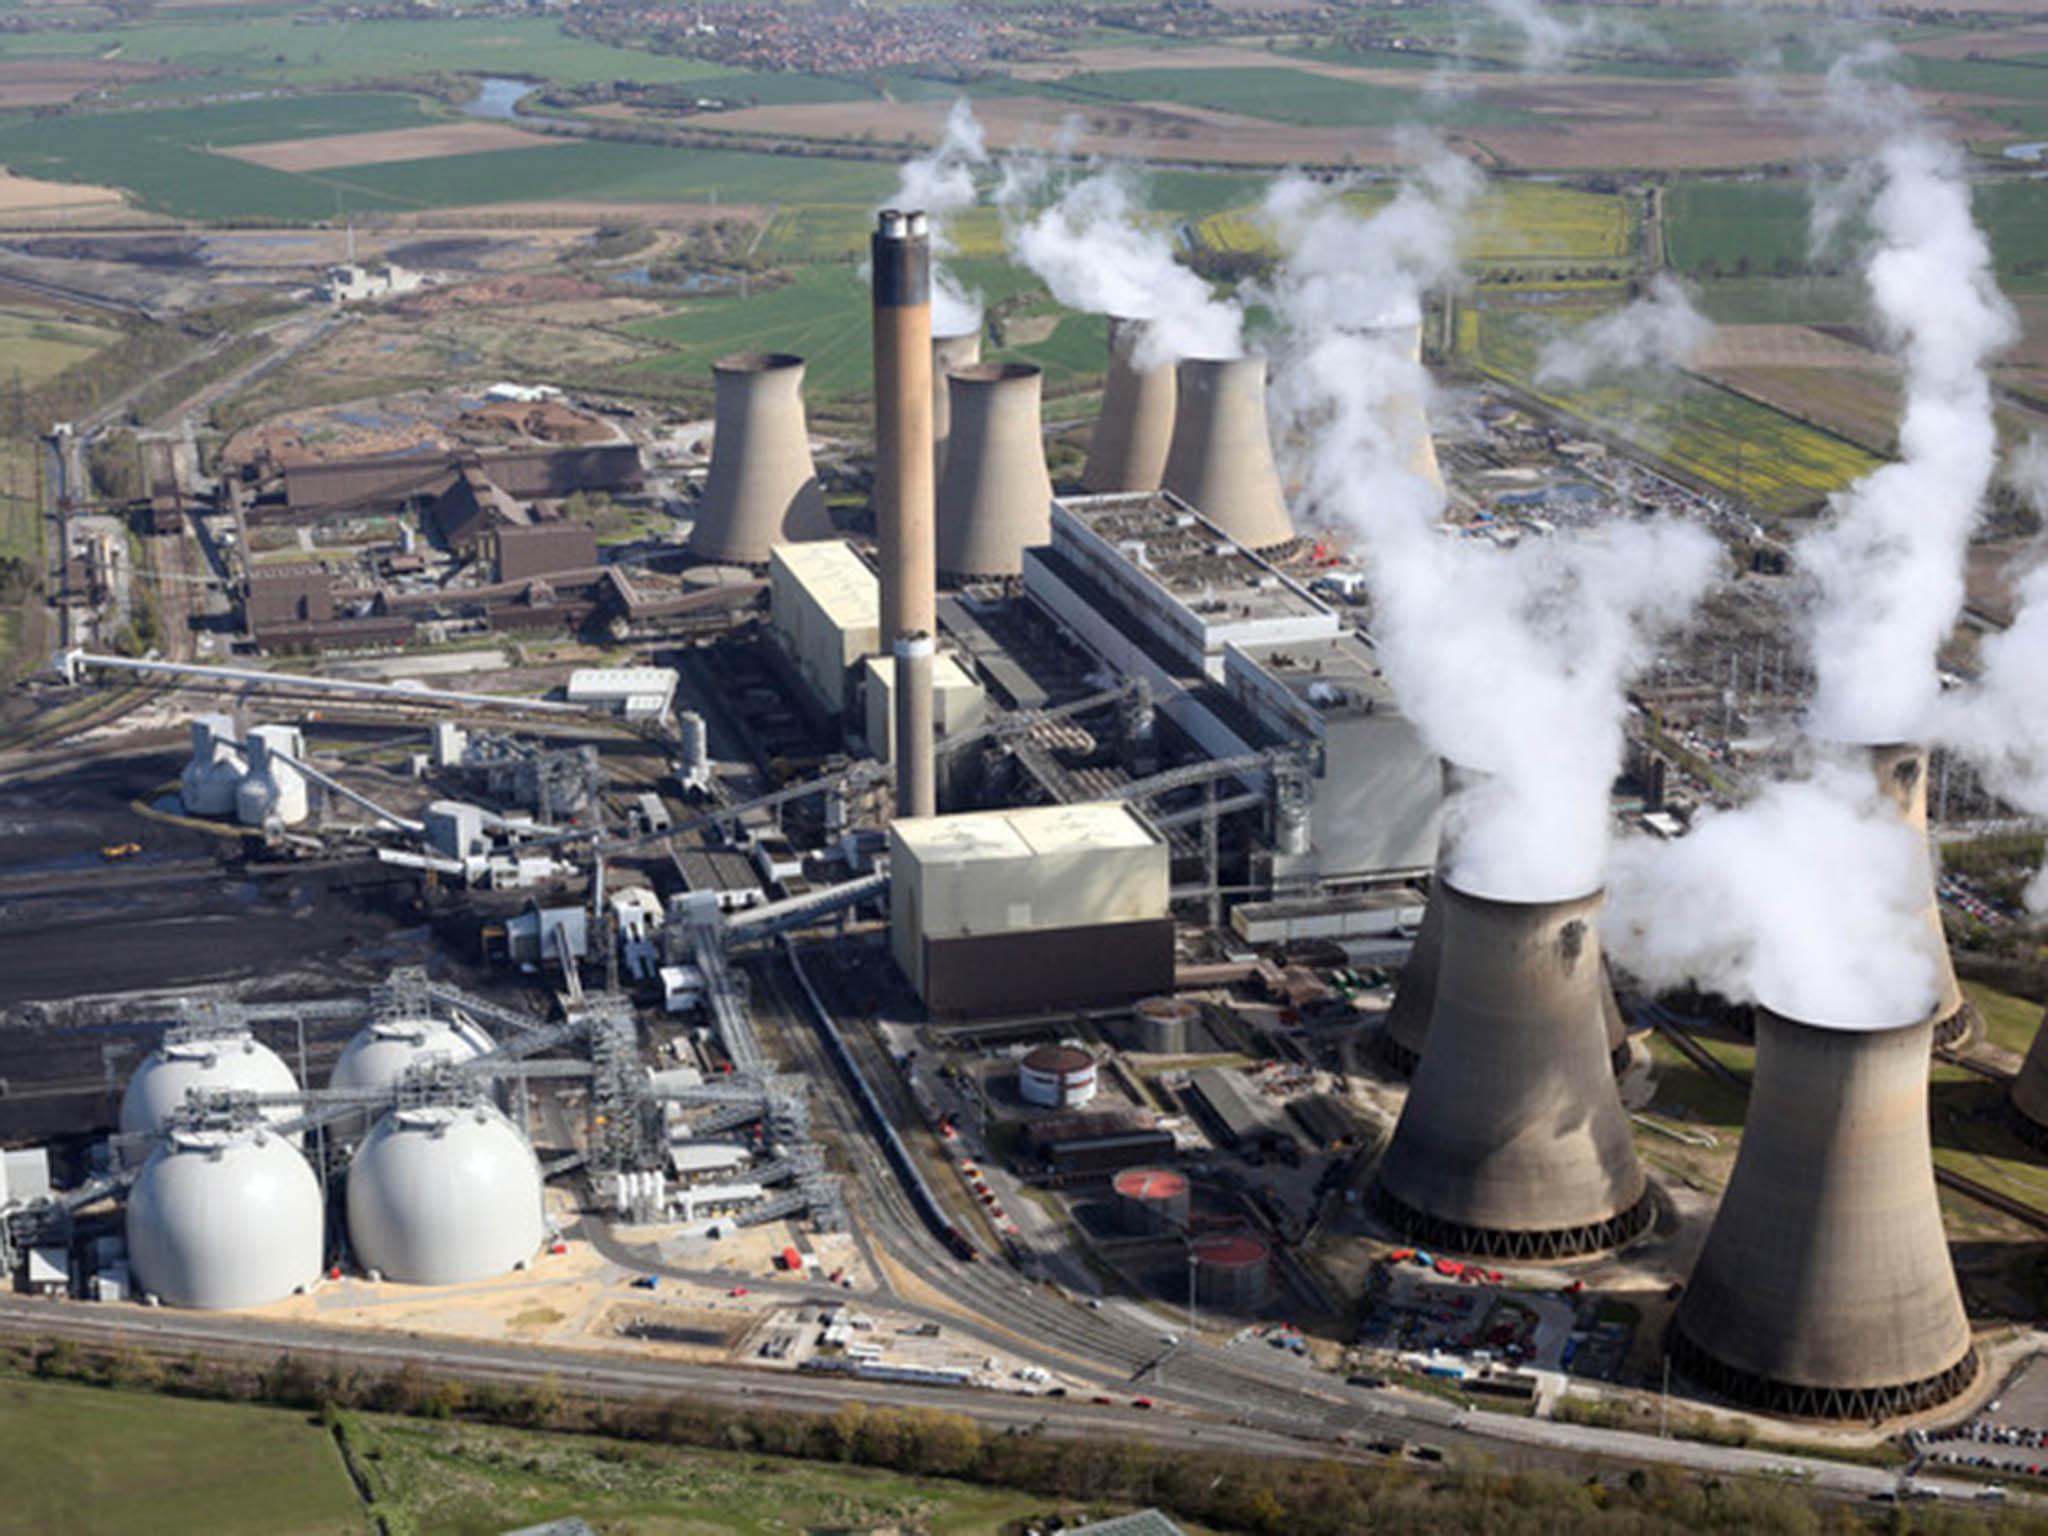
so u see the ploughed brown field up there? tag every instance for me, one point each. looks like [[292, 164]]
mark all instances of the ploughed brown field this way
[[343, 149]]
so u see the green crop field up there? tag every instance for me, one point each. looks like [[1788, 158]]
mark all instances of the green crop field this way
[[1513, 222], [90, 1462], [35, 346], [1711, 434], [1286, 96]]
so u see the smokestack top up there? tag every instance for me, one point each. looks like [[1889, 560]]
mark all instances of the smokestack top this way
[[916, 643], [756, 362], [900, 254], [995, 373]]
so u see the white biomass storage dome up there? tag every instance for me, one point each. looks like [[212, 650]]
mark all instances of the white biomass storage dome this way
[[236, 1062], [224, 1219], [382, 1051], [441, 1195]]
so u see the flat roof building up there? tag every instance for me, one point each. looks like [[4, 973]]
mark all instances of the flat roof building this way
[[826, 609], [638, 693]]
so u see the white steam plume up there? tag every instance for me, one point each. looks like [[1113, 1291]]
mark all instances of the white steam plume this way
[[941, 182], [1511, 662], [1094, 247], [1661, 329], [1548, 40], [1810, 899], [1890, 566]]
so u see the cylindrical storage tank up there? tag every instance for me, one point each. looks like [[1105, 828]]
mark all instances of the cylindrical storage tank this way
[[1232, 1274], [995, 498], [443, 1195], [272, 790], [1513, 1142], [1221, 459], [236, 1062], [383, 1050], [762, 488], [221, 1219], [1128, 450], [948, 353], [1057, 1077], [1165, 1025], [207, 785], [2030, 1090], [1900, 771], [1825, 1288], [1151, 1201]]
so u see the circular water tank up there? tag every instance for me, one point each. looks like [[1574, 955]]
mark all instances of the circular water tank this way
[[224, 1219], [1057, 1077], [1164, 1025], [383, 1050], [442, 1195], [232, 1062], [1232, 1272], [1151, 1201]]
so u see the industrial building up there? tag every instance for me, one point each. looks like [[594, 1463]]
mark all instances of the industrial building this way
[[1003, 911], [1236, 1115], [1513, 1142], [826, 609], [959, 702], [1825, 1288]]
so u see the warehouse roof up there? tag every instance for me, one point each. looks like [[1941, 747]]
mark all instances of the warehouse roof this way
[[836, 579], [1029, 832]]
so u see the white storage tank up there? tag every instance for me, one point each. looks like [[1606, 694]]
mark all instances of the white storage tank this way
[[273, 790], [1057, 1077], [221, 1219], [238, 1062], [208, 784], [443, 1195], [383, 1050]]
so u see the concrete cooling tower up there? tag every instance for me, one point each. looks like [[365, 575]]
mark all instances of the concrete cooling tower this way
[[1513, 1143], [1128, 450], [220, 1219], [995, 499], [763, 488], [1901, 773], [443, 1195], [2030, 1090], [1404, 416], [948, 353], [1825, 1287], [1221, 459]]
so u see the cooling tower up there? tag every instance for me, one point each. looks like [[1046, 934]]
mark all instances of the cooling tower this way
[[1221, 458], [1403, 415], [995, 500], [763, 488], [2030, 1089], [1825, 1287], [1513, 1143], [948, 353], [1128, 451], [1901, 773]]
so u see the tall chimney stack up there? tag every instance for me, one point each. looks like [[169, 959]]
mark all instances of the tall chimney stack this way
[[948, 353], [1825, 1287], [901, 259], [763, 488], [1128, 451], [1221, 459], [995, 500], [1513, 1143]]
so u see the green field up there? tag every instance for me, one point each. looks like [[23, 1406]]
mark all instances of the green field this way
[[90, 1462], [1286, 96], [162, 156], [1513, 223], [35, 346], [1711, 434]]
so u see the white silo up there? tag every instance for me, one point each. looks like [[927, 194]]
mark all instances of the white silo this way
[[209, 781], [383, 1050], [224, 1218], [273, 790], [234, 1062], [443, 1195]]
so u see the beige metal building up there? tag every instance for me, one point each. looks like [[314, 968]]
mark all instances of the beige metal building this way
[[826, 608], [959, 702], [1047, 906]]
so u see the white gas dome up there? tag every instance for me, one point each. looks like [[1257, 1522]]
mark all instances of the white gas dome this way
[[222, 1219], [441, 1195], [236, 1062]]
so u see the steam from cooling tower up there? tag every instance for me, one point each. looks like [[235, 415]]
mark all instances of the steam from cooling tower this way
[[1811, 899], [1890, 567], [1097, 250], [1511, 662], [941, 183], [1661, 329]]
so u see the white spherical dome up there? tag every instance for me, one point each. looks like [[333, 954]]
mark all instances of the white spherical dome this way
[[238, 1062], [438, 1196], [379, 1053], [225, 1219]]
